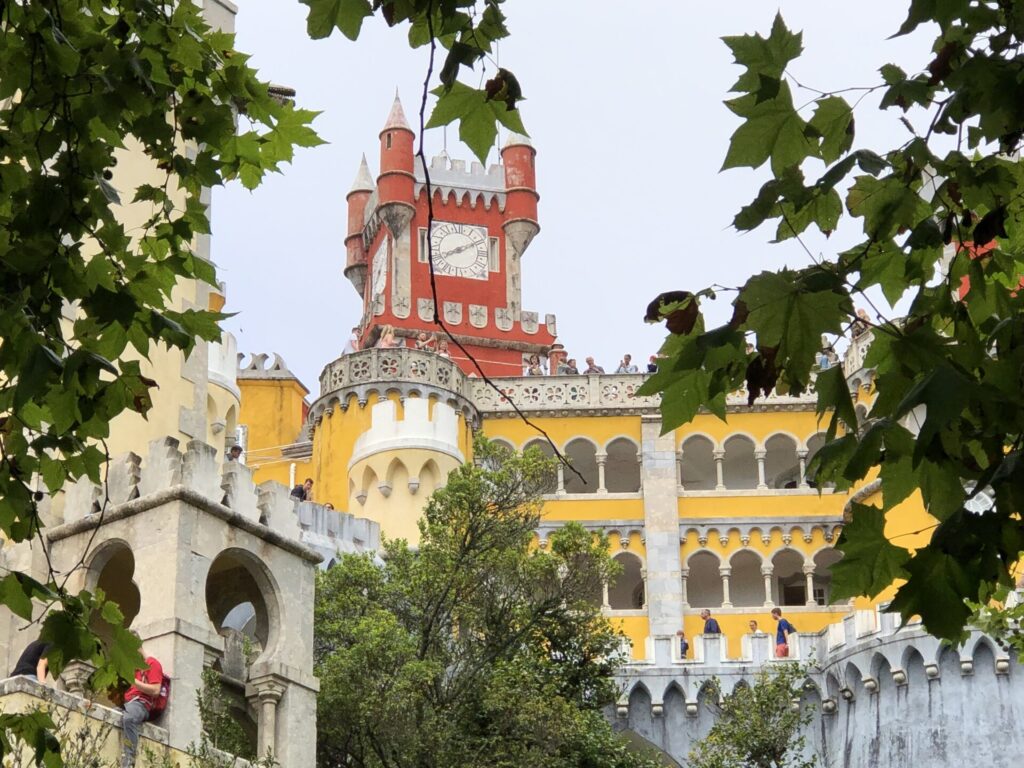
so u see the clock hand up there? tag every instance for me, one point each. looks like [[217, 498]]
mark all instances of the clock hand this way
[[461, 248]]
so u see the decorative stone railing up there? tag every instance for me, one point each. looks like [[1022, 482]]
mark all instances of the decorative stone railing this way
[[608, 393], [411, 371]]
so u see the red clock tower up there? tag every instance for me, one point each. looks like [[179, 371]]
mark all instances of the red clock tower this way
[[484, 220]]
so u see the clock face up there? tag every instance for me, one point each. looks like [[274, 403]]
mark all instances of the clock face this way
[[380, 269], [459, 250]]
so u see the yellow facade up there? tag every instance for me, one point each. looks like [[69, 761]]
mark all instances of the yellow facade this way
[[735, 528]]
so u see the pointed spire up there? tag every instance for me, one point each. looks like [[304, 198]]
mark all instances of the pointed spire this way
[[397, 117], [517, 140], [363, 181]]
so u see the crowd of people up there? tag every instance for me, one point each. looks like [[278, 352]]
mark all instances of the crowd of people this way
[[536, 366], [783, 630]]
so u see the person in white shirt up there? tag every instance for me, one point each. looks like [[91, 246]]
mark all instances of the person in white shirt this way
[[626, 366]]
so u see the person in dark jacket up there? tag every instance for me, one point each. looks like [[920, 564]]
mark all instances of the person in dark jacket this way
[[710, 624], [32, 662], [303, 492]]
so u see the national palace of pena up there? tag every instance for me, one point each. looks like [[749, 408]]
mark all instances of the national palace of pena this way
[[197, 534]]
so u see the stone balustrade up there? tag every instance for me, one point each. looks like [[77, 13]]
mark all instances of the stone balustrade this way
[[853, 360]]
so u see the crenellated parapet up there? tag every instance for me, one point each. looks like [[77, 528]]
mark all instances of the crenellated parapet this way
[[226, 490], [880, 693]]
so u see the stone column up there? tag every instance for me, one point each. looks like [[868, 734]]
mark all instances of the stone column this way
[[679, 470], [802, 457], [604, 596], [601, 459], [686, 600], [661, 527], [719, 469], [267, 694], [809, 575], [760, 456], [561, 479], [725, 571], [643, 577], [767, 571]]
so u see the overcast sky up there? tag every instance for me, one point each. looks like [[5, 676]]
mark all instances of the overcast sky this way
[[624, 106]]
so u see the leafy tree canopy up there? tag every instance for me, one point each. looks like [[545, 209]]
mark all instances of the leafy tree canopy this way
[[472, 650], [941, 216], [757, 726]]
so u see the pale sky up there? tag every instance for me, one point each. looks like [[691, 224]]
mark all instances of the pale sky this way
[[624, 106]]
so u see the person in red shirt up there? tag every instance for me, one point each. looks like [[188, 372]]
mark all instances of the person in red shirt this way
[[138, 701]]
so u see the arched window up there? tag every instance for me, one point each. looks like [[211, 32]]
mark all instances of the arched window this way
[[583, 457], [746, 583], [823, 562], [627, 591], [545, 448], [814, 444], [781, 466], [622, 470], [740, 467], [698, 464], [239, 596], [704, 582], [790, 582], [112, 569]]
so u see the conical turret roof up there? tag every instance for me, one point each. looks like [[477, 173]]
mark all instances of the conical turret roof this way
[[363, 181], [396, 119]]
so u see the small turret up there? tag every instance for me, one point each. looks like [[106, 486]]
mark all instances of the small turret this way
[[355, 263], [521, 189], [396, 180]]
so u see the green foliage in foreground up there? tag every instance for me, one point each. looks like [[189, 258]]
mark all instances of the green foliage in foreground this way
[[758, 726], [473, 650], [941, 210], [85, 297]]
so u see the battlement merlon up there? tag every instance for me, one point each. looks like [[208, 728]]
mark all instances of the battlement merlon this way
[[196, 477]]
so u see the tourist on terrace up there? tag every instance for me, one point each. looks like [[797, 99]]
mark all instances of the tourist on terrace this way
[[626, 365], [442, 348], [426, 342], [387, 338], [753, 628], [683, 645], [533, 366], [571, 369], [652, 364], [32, 662], [352, 345], [710, 624], [785, 629], [235, 453], [303, 492], [138, 702], [592, 367]]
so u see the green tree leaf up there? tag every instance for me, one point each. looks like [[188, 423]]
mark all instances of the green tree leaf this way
[[870, 561]]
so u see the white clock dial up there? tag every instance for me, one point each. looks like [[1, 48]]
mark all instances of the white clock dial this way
[[380, 269], [459, 250]]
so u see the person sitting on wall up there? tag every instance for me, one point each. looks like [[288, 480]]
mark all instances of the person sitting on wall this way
[[138, 702], [303, 492], [626, 365], [710, 624], [785, 629], [592, 367], [32, 662]]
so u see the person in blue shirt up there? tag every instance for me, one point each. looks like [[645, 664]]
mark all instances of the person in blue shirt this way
[[710, 625], [782, 633]]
